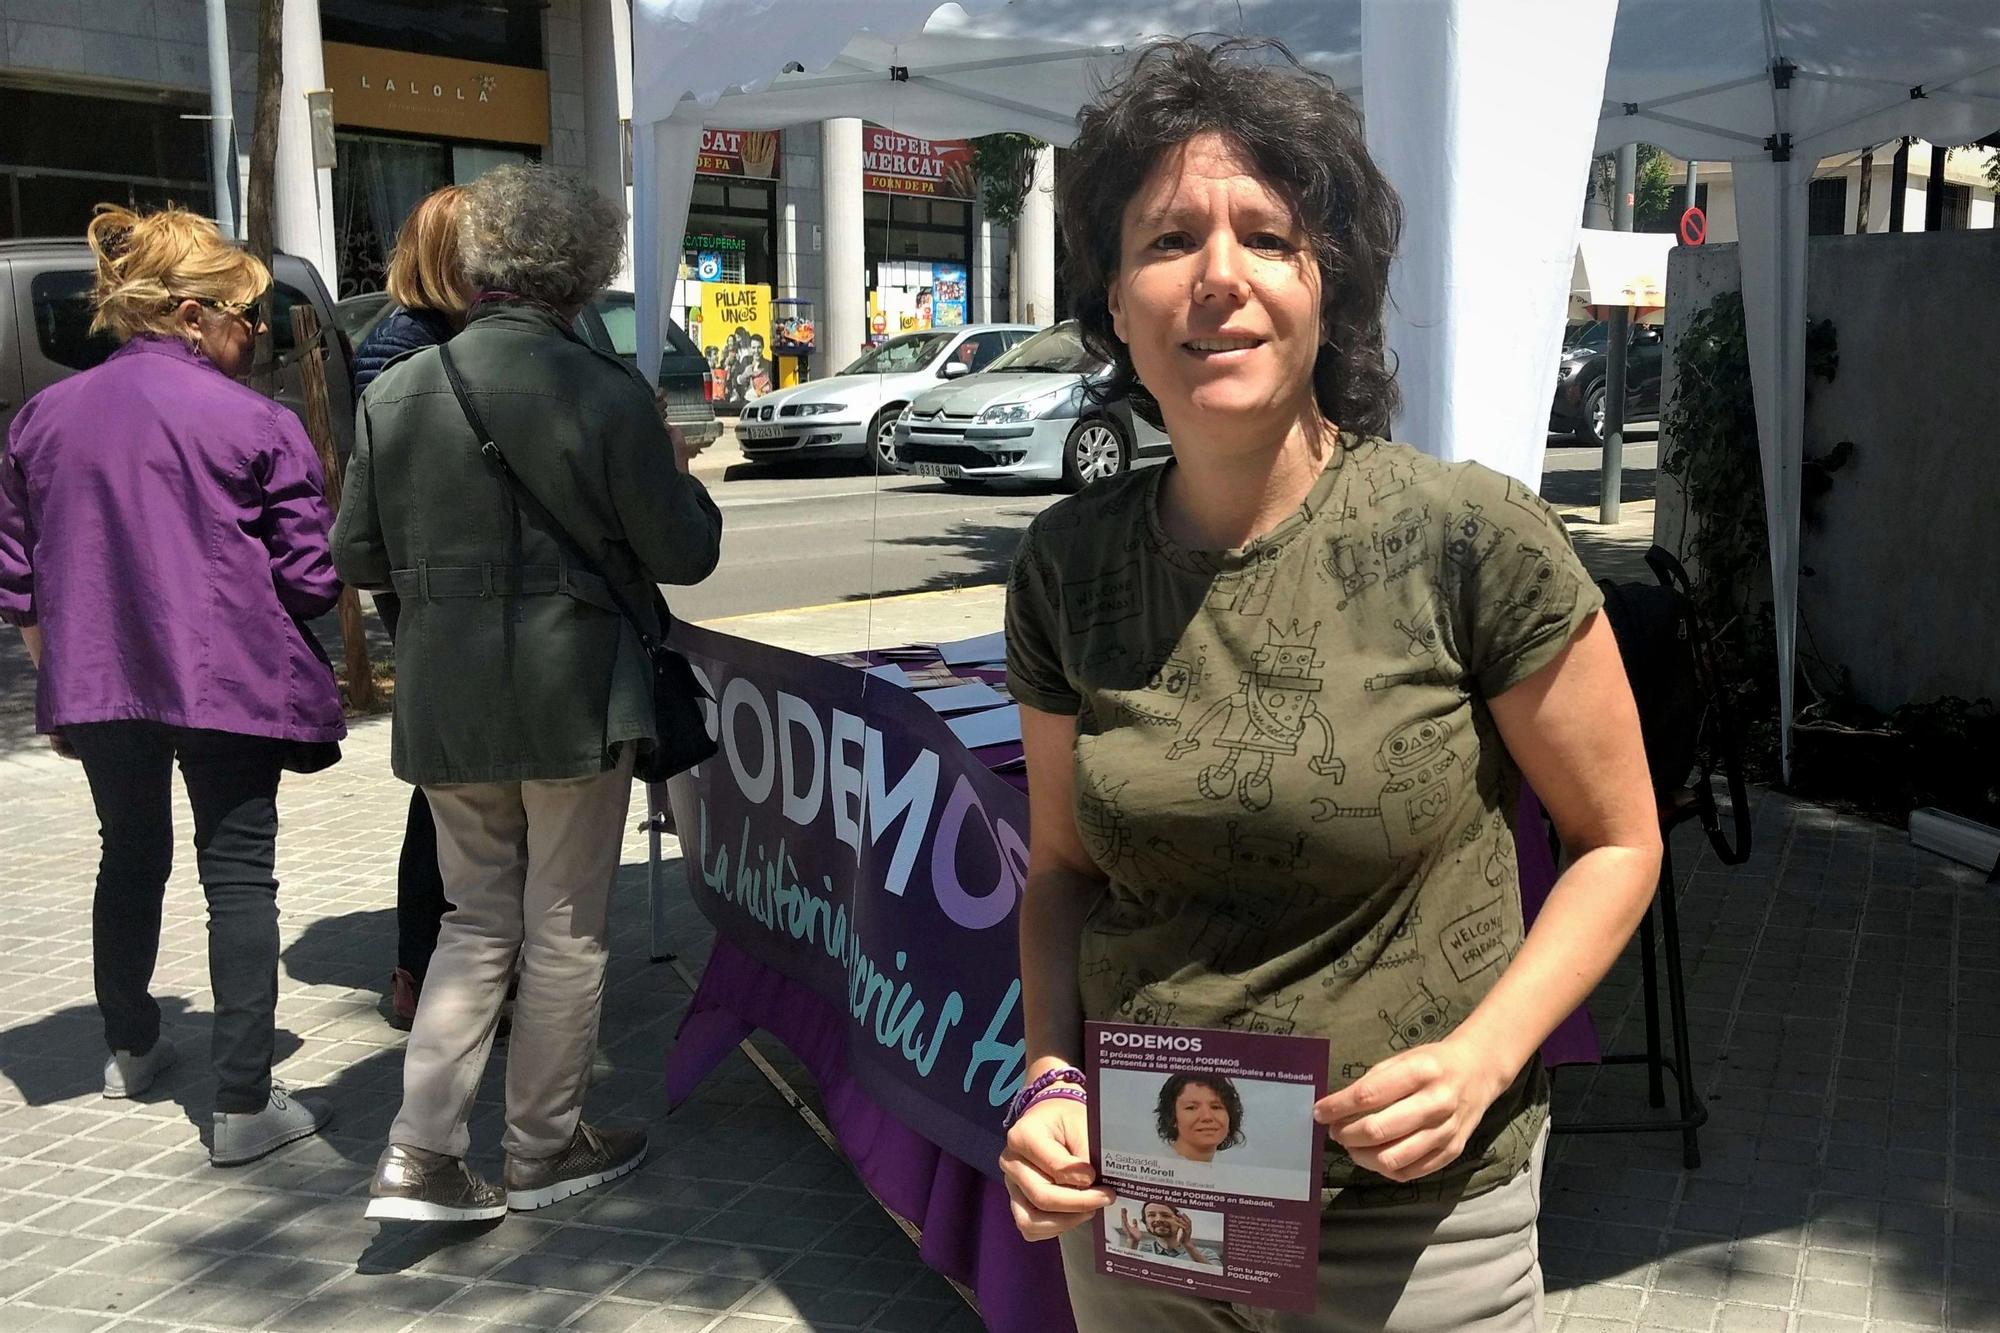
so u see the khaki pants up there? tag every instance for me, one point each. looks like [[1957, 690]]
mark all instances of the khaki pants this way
[[1429, 1267], [528, 868]]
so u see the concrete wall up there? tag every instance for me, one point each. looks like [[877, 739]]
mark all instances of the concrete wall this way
[[562, 52], [1904, 558]]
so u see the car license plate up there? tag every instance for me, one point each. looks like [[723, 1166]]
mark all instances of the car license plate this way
[[937, 469], [758, 432]]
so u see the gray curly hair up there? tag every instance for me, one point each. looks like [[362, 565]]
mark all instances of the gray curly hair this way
[[540, 234]]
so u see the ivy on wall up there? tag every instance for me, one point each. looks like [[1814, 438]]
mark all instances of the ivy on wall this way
[[1937, 753]]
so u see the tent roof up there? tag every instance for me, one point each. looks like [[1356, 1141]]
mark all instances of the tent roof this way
[[1692, 76]]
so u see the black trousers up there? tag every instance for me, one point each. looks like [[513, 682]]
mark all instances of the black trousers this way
[[232, 785], [420, 900]]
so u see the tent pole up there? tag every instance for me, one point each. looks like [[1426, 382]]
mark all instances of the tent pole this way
[[1611, 478]]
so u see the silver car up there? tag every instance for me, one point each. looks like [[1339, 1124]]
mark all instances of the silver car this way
[[1027, 417]]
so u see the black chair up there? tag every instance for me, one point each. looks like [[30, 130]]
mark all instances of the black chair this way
[[1674, 675]]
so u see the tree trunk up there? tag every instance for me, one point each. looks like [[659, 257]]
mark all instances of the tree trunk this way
[[1867, 188], [259, 209]]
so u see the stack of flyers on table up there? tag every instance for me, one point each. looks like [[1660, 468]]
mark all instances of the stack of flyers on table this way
[[1208, 1139]]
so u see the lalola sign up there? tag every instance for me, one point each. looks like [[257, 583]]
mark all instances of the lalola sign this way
[[436, 97]]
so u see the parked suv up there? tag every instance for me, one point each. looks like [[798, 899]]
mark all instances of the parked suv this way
[[683, 388], [853, 414], [1579, 404], [45, 332]]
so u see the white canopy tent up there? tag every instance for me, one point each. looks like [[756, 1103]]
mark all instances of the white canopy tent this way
[[1481, 114]]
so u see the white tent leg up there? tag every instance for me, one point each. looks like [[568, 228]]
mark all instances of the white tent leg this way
[[664, 154], [1469, 104], [1771, 219]]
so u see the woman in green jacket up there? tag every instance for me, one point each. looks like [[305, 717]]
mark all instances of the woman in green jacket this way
[[521, 693]]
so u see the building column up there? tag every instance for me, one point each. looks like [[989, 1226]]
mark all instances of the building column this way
[[303, 193], [843, 315], [607, 109], [1035, 241], [979, 278]]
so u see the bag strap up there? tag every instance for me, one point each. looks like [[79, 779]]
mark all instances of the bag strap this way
[[528, 499]]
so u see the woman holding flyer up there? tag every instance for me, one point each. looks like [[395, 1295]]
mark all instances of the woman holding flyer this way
[[1301, 671]]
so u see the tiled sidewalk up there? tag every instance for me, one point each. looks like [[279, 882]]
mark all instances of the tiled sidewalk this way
[[1846, 999], [110, 1215]]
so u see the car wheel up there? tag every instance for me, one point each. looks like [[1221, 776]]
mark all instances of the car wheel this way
[[1592, 430], [882, 430], [1095, 450]]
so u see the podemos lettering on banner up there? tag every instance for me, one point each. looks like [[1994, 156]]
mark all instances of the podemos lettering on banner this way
[[736, 339], [861, 852]]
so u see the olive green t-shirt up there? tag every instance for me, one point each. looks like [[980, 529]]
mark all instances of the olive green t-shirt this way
[[1285, 765]]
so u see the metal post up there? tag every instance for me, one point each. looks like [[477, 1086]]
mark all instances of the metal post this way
[[1617, 332], [1688, 202], [221, 120]]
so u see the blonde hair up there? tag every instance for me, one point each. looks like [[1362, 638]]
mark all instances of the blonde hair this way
[[425, 273], [148, 263]]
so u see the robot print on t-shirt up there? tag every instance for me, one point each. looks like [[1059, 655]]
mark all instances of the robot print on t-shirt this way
[[1258, 1014], [1423, 638], [1235, 933], [1424, 1017], [1265, 718], [1404, 544], [1346, 563], [1424, 773], [1167, 690]]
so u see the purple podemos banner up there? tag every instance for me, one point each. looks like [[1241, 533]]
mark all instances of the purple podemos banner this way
[[846, 840]]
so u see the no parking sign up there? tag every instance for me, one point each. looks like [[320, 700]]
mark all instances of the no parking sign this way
[[1694, 227]]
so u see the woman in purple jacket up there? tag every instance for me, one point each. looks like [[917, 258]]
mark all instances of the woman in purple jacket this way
[[163, 537]]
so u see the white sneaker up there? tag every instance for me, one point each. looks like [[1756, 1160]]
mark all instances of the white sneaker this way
[[128, 1075], [246, 1136]]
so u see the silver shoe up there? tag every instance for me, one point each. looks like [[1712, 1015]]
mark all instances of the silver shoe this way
[[128, 1075], [594, 1157], [416, 1185], [245, 1136]]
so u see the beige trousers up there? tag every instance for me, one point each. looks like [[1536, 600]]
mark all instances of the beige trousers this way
[[1430, 1267], [528, 868]]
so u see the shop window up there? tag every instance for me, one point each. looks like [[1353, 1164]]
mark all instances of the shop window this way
[[749, 197], [1955, 208], [875, 207], [493, 31], [948, 213], [1826, 206], [61, 155], [707, 194], [903, 209]]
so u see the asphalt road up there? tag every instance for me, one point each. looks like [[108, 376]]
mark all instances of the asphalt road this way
[[802, 537]]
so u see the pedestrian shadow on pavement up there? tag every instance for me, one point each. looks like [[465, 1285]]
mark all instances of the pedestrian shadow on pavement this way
[[60, 1057], [17, 696]]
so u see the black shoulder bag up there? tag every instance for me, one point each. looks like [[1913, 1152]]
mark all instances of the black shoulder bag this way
[[683, 740]]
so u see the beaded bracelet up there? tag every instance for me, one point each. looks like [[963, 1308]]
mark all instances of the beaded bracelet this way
[[1060, 1092], [1028, 1095]]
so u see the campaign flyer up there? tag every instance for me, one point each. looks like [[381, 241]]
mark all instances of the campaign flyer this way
[[1209, 1140]]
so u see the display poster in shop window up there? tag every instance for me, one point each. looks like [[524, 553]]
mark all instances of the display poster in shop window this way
[[1208, 1139]]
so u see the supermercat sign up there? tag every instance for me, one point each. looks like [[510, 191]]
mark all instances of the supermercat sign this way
[[436, 96]]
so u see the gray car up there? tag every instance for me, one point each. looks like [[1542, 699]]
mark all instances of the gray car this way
[[45, 335]]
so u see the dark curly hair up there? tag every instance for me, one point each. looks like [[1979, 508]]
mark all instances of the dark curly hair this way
[[1168, 1123], [1304, 138]]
